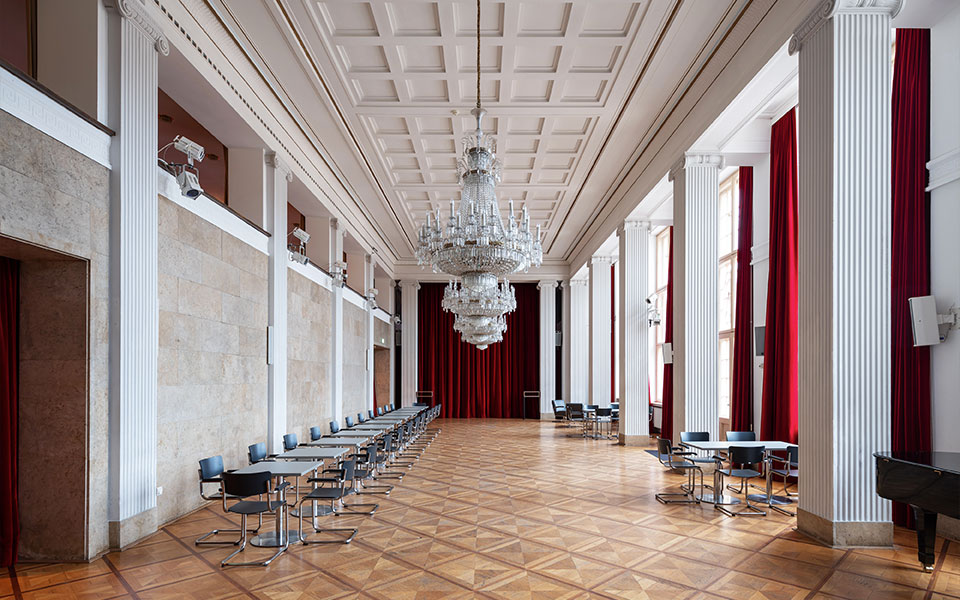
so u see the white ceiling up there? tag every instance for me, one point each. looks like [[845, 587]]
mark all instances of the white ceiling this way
[[573, 89]]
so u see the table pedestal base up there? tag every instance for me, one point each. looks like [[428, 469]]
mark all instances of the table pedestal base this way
[[721, 499], [773, 500], [272, 539]]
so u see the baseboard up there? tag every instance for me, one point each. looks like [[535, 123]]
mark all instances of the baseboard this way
[[132, 529], [840, 534], [634, 440]]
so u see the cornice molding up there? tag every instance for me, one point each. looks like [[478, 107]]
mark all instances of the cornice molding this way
[[689, 160], [943, 169], [137, 13], [830, 8]]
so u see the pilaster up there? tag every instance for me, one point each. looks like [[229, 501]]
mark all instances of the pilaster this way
[[844, 264], [601, 323], [336, 321], [548, 347], [696, 191], [579, 341], [409, 335], [634, 237], [371, 306], [276, 177], [134, 41]]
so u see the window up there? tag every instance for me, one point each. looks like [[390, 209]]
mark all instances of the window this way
[[727, 285], [661, 275]]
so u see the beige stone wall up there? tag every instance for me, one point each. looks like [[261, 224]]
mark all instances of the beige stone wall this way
[[382, 331], [308, 355], [57, 198], [354, 360], [212, 395]]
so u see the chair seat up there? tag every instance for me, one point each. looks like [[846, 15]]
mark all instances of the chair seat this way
[[786, 472], [740, 472], [324, 493], [701, 459], [254, 507]]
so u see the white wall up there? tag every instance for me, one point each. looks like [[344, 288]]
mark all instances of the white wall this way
[[761, 270], [67, 46], [944, 225]]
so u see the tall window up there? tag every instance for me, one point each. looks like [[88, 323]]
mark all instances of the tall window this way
[[727, 284], [660, 276]]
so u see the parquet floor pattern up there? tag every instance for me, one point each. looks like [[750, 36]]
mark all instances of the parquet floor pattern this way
[[515, 510]]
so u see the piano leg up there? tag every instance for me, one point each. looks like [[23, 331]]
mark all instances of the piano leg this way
[[926, 537]]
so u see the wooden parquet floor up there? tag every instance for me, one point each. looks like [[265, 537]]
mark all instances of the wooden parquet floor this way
[[515, 510]]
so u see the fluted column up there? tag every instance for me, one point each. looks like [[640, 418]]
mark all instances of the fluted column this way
[[601, 323], [845, 260], [276, 177], [409, 336], [336, 314], [696, 196], [579, 341], [634, 333], [369, 319], [135, 40], [548, 347]]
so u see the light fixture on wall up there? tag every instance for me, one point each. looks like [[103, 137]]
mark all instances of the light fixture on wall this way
[[188, 176], [338, 271], [298, 252], [372, 297], [475, 245], [653, 315]]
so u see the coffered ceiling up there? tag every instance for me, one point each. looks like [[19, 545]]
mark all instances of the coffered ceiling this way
[[397, 79]]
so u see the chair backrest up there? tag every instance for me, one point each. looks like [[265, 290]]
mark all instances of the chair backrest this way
[[244, 485], [615, 405], [664, 446], [349, 422], [745, 455], [334, 427], [694, 436], [349, 467], [315, 433], [575, 411], [391, 406], [379, 411], [593, 406], [361, 418], [559, 405], [290, 441], [256, 452], [211, 468], [370, 414], [604, 411], [793, 455], [741, 436]]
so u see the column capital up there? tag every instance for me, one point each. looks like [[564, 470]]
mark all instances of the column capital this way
[[137, 13], [696, 159], [546, 284], [601, 260], [409, 284], [829, 8], [579, 282], [633, 224], [271, 159]]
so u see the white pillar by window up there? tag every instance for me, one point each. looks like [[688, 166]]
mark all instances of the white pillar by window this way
[[696, 196], [634, 332], [134, 40], [276, 177], [371, 307], [601, 324], [845, 261], [409, 333], [336, 312], [548, 347], [565, 342], [579, 341]]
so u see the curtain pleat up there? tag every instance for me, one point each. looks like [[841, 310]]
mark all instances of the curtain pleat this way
[[910, 404], [9, 365], [666, 420], [472, 383], [741, 398]]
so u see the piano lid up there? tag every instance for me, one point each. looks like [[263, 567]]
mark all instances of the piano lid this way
[[942, 461]]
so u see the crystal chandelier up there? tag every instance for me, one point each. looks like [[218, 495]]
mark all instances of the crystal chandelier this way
[[475, 245]]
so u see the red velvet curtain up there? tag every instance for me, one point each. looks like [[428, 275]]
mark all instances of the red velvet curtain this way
[[741, 399], [666, 420], [9, 510], [911, 244], [613, 333], [779, 419], [469, 382]]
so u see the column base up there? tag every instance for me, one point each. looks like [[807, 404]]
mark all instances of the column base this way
[[634, 440], [845, 533], [548, 416], [132, 529]]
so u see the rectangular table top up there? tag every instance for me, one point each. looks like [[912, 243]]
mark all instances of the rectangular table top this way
[[281, 468], [353, 433], [365, 427], [339, 441], [312, 453], [725, 445]]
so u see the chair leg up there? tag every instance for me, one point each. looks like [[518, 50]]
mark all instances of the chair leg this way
[[749, 510], [684, 497], [350, 509], [243, 544], [352, 532]]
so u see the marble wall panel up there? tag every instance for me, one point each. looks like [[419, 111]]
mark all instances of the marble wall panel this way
[[309, 337]]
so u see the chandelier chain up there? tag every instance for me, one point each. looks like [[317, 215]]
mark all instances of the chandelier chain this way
[[478, 54]]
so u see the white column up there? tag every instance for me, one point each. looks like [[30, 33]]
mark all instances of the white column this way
[[845, 254], [600, 329], [696, 196], [336, 325], [409, 332], [371, 306], [276, 177], [565, 341], [134, 42], [634, 333], [548, 347], [579, 341]]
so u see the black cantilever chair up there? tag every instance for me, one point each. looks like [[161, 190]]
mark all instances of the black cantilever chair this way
[[741, 460], [347, 473], [361, 418], [332, 488], [334, 427], [257, 453], [349, 422], [366, 470], [210, 471], [246, 486], [669, 459], [290, 441], [315, 433]]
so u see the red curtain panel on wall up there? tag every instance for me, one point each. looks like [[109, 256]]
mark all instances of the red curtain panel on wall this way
[[911, 245], [613, 333], [779, 418], [9, 510], [741, 399], [666, 420], [471, 383]]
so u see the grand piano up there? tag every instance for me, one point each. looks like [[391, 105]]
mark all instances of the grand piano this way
[[930, 483]]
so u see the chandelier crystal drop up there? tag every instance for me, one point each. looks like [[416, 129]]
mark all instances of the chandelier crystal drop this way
[[475, 245]]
